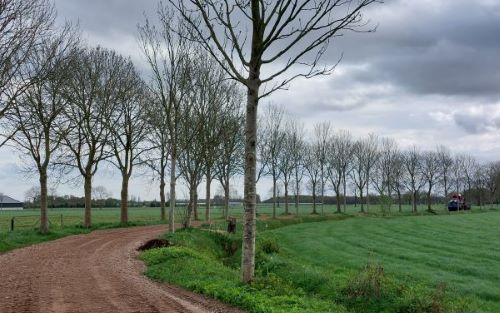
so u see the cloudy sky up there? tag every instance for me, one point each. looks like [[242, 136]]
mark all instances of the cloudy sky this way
[[429, 75]]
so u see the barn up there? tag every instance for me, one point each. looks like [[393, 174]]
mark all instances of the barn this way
[[8, 203]]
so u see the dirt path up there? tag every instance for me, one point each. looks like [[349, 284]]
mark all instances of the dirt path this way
[[97, 272]]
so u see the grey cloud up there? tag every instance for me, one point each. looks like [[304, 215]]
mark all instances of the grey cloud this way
[[448, 47], [478, 121]]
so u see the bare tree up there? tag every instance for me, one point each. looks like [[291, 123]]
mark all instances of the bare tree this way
[[322, 138], [492, 180], [168, 53], [312, 168], [100, 193], [127, 127], [338, 157], [218, 98], [362, 161], [37, 112], [296, 149], [445, 161], [286, 163], [387, 155], [92, 97], [292, 33], [23, 26], [371, 159], [398, 180], [273, 141], [415, 180], [158, 142], [231, 149], [431, 173], [468, 166]]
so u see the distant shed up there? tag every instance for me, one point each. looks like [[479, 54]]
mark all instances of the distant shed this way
[[8, 203]]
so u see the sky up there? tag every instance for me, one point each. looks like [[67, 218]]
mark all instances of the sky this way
[[428, 76]]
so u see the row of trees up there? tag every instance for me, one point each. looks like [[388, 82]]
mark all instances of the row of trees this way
[[81, 106], [332, 160]]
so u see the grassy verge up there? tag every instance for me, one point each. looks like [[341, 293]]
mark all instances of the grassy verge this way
[[289, 280]]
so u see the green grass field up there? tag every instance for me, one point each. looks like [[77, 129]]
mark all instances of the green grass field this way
[[428, 263], [461, 251]]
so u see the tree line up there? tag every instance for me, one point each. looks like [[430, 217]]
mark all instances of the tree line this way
[[326, 161], [69, 108]]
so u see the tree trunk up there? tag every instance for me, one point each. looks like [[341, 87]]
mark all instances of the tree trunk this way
[[314, 200], [207, 198], [399, 202], [286, 198], [226, 200], [124, 200], [367, 193], [187, 222], [296, 194], [162, 193], [345, 193], [361, 200], [44, 221], [171, 210], [429, 200], [195, 203], [274, 195], [87, 222], [414, 201], [337, 200], [248, 246]]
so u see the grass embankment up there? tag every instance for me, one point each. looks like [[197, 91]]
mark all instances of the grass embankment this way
[[446, 263]]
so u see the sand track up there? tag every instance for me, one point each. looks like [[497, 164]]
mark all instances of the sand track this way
[[97, 272]]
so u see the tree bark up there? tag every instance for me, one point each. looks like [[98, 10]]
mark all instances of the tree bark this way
[[314, 200], [124, 200], [249, 232], [344, 192], [171, 227], [162, 193], [337, 200], [226, 200], [274, 195], [286, 198], [207, 197], [400, 202], [44, 221], [361, 200], [87, 222]]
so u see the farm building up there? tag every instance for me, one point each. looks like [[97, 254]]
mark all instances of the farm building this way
[[7, 203]]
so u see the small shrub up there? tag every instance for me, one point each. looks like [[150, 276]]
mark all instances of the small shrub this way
[[269, 245]]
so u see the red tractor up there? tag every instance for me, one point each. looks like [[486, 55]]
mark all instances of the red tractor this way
[[457, 203]]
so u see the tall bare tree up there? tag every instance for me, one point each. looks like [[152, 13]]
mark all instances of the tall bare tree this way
[[398, 180], [415, 180], [273, 136], [231, 149], [128, 128], [338, 159], [312, 168], [158, 142], [23, 26], [431, 173], [168, 53], [322, 138], [92, 97], [445, 161], [492, 180], [296, 146], [36, 114], [289, 33], [361, 163]]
